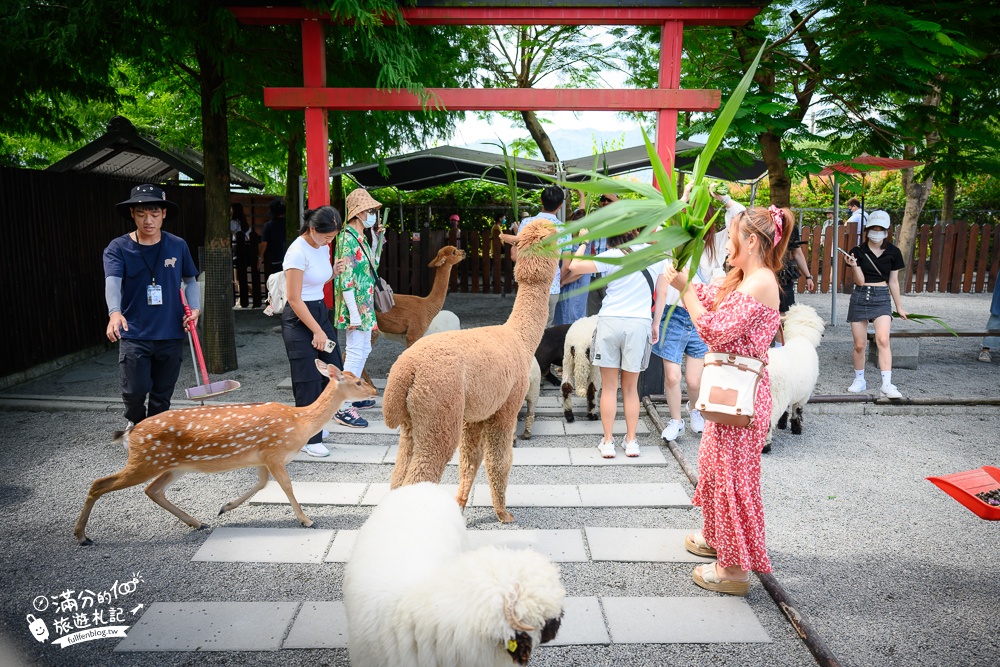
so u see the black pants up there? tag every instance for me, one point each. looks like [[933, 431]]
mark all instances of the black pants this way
[[246, 263], [307, 382], [786, 295], [148, 367]]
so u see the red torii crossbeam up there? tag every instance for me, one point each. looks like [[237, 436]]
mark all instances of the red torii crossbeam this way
[[666, 100]]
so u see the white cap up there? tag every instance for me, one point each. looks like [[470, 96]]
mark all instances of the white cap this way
[[878, 219]]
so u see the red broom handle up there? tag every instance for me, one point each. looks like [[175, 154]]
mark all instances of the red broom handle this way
[[194, 338]]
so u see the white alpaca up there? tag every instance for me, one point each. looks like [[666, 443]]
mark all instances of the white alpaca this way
[[578, 371], [794, 367], [415, 594], [534, 389]]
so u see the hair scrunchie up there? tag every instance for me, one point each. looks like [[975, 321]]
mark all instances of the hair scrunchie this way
[[779, 218]]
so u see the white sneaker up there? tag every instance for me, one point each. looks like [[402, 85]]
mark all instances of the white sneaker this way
[[674, 428], [697, 421], [890, 391], [324, 435], [317, 449], [631, 448], [607, 448], [858, 386]]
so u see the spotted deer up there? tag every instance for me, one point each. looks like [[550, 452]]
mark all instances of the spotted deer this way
[[217, 438]]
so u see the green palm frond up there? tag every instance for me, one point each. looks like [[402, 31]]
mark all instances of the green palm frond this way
[[924, 319]]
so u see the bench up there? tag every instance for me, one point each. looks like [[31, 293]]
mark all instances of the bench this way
[[906, 344]]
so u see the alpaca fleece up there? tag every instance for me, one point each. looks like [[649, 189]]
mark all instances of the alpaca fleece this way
[[794, 367], [578, 370], [463, 389], [416, 595]]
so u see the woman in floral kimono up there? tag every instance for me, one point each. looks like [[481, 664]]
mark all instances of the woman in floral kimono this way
[[354, 301]]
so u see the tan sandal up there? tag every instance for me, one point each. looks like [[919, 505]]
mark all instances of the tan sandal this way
[[695, 543], [707, 576]]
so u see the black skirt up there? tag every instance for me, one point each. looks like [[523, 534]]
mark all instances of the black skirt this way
[[869, 302]]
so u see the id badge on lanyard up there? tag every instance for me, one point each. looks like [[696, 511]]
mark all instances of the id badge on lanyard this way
[[154, 295]]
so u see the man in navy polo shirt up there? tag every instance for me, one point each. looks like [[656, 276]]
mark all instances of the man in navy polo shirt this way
[[143, 274]]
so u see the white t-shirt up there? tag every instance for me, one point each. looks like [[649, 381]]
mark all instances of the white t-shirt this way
[[315, 265], [629, 296]]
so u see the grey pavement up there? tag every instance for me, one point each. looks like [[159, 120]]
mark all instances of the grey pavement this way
[[888, 569]]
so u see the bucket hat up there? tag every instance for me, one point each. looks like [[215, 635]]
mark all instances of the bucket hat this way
[[146, 194], [358, 202], [878, 219]]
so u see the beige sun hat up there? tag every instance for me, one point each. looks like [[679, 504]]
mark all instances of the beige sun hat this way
[[358, 202]]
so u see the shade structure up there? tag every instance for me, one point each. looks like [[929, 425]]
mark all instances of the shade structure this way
[[863, 164], [122, 152], [446, 164]]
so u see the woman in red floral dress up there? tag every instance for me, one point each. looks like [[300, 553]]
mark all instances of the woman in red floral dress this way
[[740, 316]]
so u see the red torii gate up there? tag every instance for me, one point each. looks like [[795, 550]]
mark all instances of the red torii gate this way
[[316, 99]]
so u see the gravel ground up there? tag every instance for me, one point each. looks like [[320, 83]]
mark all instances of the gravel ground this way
[[889, 570]]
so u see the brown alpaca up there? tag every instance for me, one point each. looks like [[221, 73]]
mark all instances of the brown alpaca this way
[[466, 387], [408, 320], [217, 438]]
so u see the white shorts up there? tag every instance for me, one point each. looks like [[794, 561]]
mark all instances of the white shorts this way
[[622, 342]]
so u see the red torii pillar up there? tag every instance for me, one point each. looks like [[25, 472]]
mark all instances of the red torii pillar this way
[[667, 100]]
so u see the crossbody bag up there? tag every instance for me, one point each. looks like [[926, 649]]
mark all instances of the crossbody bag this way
[[382, 292]]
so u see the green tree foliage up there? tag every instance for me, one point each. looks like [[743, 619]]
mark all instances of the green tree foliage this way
[[524, 56]]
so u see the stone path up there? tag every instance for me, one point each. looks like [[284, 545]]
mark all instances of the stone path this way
[[589, 619]]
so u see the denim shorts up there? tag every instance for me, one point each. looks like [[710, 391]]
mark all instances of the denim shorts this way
[[679, 338]]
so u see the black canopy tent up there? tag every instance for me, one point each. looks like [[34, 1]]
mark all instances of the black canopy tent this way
[[446, 164], [122, 152]]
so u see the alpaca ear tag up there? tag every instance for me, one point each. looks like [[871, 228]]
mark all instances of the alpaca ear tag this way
[[511, 645]]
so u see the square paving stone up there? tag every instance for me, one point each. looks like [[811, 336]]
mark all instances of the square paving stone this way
[[374, 454], [265, 545], [377, 491], [667, 494], [343, 545], [547, 427], [375, 427], [541, 456], [561, 546], [582, 623], [523, 456], [530, 495], [655, 545], [312, 493], [210, 626], [585, 427], [318, 625], [589, 456], [682, 620]]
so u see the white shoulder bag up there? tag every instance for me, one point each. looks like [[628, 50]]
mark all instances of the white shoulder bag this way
[[728, 388]]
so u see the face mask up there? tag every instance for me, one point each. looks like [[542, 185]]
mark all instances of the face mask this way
[[876, 237], [369, 220]]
